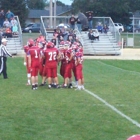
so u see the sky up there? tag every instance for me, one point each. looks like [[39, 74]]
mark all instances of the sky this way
[[67, 2]]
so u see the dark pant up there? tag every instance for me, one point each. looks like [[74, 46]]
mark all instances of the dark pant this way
[[4, 67]]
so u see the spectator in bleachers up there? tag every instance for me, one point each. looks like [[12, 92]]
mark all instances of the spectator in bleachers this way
[[90, 34], [9, 15], [2, 17], [14, 26], [15, 29], [89, 15], [100, 27], [53, 40], [72, 22], [105, 29], [7, 32], [96, 35], [6, 23], [58, 34], [13, 21], [64, 33], [79, 24], [93, 35], [71, 36]]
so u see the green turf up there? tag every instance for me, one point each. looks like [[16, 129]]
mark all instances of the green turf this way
[[136, 37], [66, 114], [26, 36]]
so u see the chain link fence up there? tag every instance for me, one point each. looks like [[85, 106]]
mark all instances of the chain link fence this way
[[131, 40]]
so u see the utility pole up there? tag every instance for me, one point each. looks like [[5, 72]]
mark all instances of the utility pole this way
[[54, 13], [51, 13]]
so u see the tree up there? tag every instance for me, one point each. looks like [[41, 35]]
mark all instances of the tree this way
[[59, 3], [36, 4], [18, 7], [118, 10]]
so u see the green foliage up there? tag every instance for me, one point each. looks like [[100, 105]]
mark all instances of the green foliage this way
[[59, 3], [118, 10], [36, 4]]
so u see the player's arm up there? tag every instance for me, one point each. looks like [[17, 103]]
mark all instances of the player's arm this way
[[29, 61]]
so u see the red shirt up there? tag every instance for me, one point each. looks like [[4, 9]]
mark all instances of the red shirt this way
[[51, 57], [34, 52]]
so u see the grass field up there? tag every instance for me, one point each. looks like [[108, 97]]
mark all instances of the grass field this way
[[66, 114], [130, 35], [26, 36]]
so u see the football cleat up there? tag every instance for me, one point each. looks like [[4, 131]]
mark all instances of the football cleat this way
[[49, 86], [70, 85], [41, 85]]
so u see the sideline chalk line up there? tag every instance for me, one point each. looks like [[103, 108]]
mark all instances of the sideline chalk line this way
[[113, 108]]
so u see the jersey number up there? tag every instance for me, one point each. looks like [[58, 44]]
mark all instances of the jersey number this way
[[52, 56], [36, 54]]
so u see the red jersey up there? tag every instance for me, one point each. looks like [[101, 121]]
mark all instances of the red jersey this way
[[34, 52], [68, 54], [51, 57]]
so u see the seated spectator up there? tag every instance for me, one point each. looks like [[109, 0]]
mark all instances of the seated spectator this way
[[105, 29], [96, 34], [93, 34], [13, 21], [6, 23], [100, 27], [15, 29], [90, 34], [7, 33]]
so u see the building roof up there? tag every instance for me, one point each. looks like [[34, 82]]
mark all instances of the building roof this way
[[59, 10], [38, 13], [62, 9]]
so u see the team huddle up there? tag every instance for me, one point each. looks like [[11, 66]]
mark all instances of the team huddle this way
[[42, 58]]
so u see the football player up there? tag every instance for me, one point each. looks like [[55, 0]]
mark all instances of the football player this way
[[30, 43], [79, 69], [34, 61], [51, 55]]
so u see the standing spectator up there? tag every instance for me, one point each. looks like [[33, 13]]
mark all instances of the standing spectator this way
[[79, 25], [90, 18], [14, 26], [14, 29], [2, 17], [9, 15], [3, 58], [72, 22]]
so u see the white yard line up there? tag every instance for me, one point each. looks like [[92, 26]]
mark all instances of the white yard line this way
[[113, 108]]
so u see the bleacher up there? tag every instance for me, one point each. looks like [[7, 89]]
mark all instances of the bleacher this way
[[107, 45], [14, 44]]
